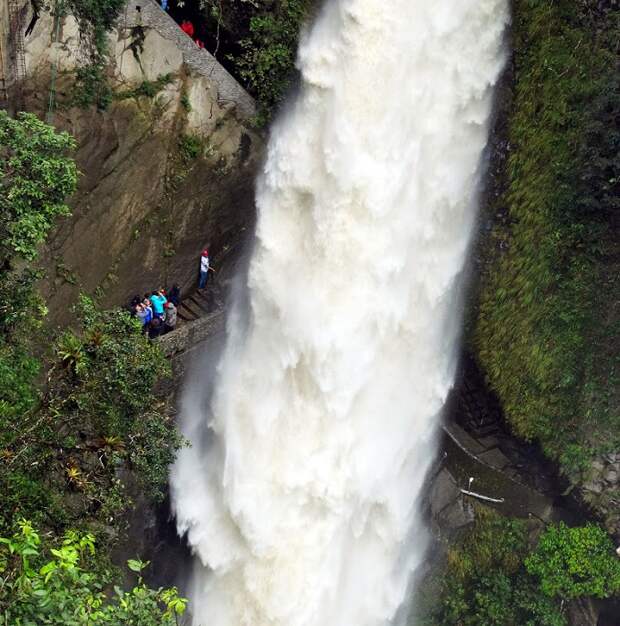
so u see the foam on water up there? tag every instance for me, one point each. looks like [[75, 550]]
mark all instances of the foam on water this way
[[299, 493]]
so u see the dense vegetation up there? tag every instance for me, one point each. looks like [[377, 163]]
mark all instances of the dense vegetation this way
[[77, 410], [494, 576], [267, 62], [548, 326], [64, 586]]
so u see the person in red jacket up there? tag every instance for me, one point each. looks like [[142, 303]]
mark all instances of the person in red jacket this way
[[188, 28]]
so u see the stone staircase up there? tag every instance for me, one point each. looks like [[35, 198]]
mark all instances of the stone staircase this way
[[477, 424], [194, 306]]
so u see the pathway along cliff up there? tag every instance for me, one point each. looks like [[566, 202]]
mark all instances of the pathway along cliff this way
[[299, 493]]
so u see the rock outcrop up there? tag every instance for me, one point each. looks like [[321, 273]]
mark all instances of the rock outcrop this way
[[166, 169]]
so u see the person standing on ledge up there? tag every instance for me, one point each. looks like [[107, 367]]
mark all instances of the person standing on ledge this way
[[204, 269]]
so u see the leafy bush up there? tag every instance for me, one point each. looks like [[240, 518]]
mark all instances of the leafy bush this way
[[573, 562], [75, 410], [98, 414], [91, 86], [63, 585], [36, 176], [96, 18], [107, 378], [267, 62], [257, 41]]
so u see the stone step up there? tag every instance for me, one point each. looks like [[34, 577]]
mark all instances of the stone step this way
[[194, 311], [463, 438], [495, 458], [484, 431], [488, 442], [199, 302], [184, 314]]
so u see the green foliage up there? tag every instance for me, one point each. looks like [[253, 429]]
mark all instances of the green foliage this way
[[485, 583], [100, 387], [109, 372], [267, 62], [146, 89], [91, 87], [493, 577], [36, 176], [71, 419], [64, 585], [18, 370], [573, 562], [546, 335], [190, 147], [257, 41]]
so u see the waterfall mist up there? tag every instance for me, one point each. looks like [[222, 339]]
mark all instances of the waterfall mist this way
[[299, 493]]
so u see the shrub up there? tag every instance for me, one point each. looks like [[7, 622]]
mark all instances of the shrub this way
[[63, 585], [146, 89], [573, 562], [36, 175], [493, 577], [190, 147]]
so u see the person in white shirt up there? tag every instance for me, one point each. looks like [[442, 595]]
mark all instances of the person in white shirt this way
[[204, 269]]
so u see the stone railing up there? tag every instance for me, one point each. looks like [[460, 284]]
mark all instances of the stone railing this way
[[149, 14], [191, 334]]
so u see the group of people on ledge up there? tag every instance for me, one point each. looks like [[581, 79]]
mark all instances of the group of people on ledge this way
[[157, 311]]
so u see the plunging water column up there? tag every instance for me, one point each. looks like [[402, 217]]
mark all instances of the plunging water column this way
[[299, 493]]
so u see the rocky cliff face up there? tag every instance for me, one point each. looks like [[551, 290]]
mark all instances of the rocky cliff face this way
[[166, 169]]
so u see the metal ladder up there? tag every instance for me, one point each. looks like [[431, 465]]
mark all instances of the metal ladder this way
[[17, 61]]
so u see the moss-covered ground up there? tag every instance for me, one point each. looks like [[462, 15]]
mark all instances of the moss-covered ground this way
[[549, 313]]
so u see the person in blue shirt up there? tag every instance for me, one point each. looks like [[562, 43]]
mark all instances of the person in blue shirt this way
[[158, 300]]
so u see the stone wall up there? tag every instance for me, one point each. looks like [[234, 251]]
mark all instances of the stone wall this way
[[189, 335]]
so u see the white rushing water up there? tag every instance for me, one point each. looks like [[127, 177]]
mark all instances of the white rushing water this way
[[299, 493]]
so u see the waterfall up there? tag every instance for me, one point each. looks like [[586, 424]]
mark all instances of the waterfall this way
[[300, 493]]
